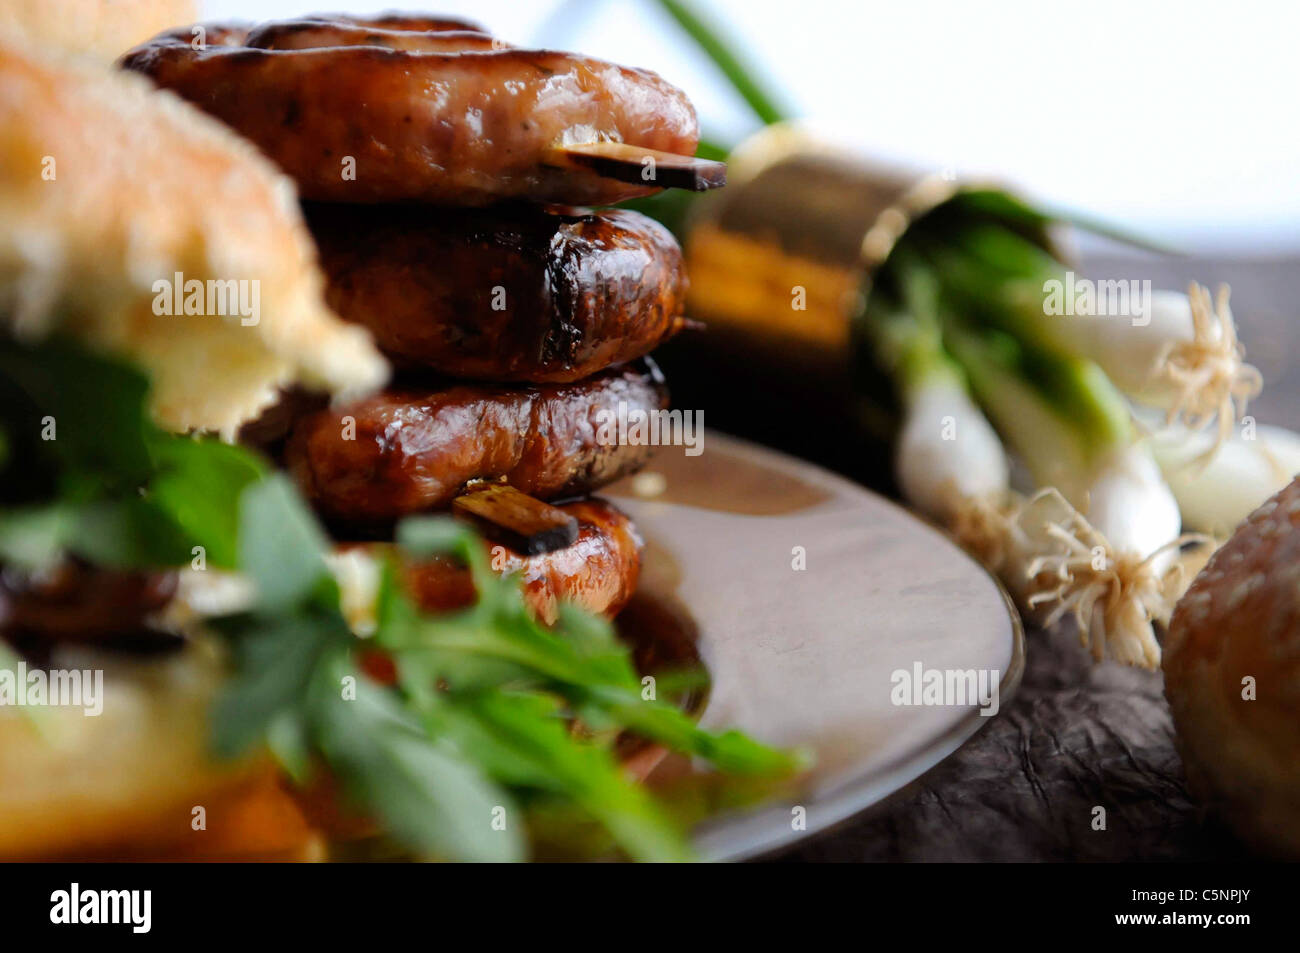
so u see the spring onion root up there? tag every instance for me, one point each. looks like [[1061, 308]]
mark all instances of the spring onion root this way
[[1205, 379], [1114, 570], [957, 317], [1182, 357], [1115, 598]]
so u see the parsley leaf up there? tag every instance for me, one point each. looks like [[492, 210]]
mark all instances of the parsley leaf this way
[[478, 734], [429, 794], [282, 547], [89, 473]]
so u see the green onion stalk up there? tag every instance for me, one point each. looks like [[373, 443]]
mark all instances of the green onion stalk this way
[[1100, 539], [949, 457], [1175, 352], [977, 325]]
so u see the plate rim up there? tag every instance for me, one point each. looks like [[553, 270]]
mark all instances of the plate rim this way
[[872, 789]]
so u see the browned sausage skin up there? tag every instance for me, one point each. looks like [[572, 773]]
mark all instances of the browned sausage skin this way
[[598, 572], [411, 449], [467, 126], [78, 602], [311, 34], [503, 294]]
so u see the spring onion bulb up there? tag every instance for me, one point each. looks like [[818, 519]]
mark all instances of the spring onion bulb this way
[[948, 461], [1183, 357], [1130, 504], [1110, 569], [947, 451], [1116, 598], [1179, 353], [1217, 493], [951, 466]]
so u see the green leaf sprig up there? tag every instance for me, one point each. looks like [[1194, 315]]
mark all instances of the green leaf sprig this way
[[494, 720]]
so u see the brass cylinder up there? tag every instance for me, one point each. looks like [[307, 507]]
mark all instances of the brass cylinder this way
[[787, 248], [779, 262]]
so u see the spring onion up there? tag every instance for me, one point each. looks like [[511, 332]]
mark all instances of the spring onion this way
[[949, 462], [1109, 568], [1116, 599], [1179, 353], [956, 317], [1217, 493], [1099, 539], [946, 452]]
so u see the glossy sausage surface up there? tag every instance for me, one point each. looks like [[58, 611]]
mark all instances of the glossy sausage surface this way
[[503, 294], [81, 603], [419, 117], [598, 572], [411, 449]]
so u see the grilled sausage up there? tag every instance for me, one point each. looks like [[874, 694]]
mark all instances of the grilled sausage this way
[[452, 36], [598, 572], [462, 125], [78, 602], [411, 449], [513, 295]]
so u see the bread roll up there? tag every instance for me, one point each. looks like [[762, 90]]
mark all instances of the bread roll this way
[[116, 200], [128, 777], [1232, 676], [100, 30]]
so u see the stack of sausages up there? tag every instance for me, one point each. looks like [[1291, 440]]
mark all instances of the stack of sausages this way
[[439, 168]]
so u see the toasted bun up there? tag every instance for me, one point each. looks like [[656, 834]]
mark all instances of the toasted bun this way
[[120, 777], [1232, 676], [129, 776], [99, 29], [108, 191]]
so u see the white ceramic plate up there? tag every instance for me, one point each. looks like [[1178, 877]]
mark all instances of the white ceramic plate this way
[[806, 657]]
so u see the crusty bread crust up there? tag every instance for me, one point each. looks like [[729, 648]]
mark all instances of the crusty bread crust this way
[[108, 187], [1241, 619], [101, 30], [128, 776]]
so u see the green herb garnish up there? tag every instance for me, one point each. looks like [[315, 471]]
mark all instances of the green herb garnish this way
[[494, 720]]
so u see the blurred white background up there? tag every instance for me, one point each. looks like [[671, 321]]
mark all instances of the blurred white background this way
[[1176, 119]]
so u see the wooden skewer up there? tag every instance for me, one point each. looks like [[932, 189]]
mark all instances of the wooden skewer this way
[[628, 163], [508, 516]]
